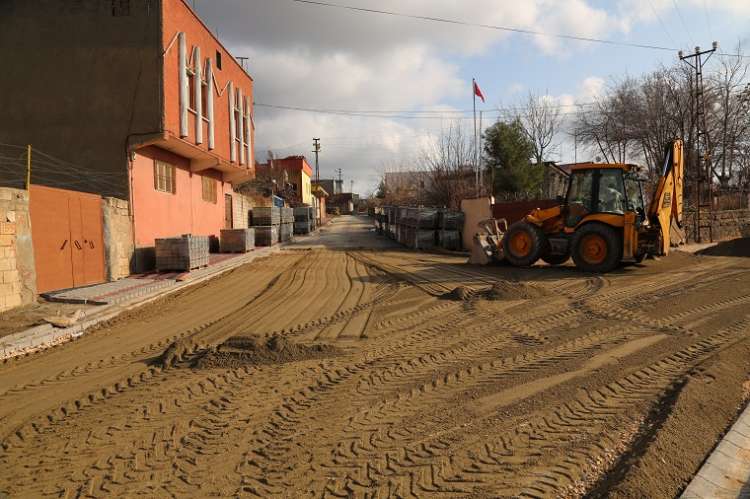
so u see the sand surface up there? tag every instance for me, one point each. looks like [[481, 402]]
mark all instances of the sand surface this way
[[349, 367]]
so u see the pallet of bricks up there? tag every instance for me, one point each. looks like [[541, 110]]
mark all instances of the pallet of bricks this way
[[392, 225], [303, 219], [450, 224], [286, 229], [266, 222], [425, 228], [237, 240], [183, 253], [421, 226]]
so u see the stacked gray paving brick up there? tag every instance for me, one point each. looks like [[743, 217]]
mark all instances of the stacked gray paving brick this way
[[237, 240], [182, 253], [266, 222], [286, 229], [451, 224], [303, 219], [425, 223]]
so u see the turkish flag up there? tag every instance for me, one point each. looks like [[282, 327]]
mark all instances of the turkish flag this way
[[478, 91]]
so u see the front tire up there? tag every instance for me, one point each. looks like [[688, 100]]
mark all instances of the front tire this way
[[523, 244], [597, 248]]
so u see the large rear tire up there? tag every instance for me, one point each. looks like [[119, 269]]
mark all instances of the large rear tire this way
[[523, 244], [597, 248]]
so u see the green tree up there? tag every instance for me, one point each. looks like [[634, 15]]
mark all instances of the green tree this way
[[508, 152]]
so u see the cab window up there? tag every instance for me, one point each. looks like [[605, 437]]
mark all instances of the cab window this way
[[611, 196], [580, 196], [634, 194]]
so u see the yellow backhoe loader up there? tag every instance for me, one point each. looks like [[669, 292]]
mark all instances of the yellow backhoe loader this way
[[602, 222]]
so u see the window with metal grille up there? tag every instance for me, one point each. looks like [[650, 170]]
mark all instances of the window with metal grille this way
[[164, 177], [209, 189], [120, 8]]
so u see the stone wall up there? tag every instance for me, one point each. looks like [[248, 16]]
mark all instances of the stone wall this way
[[719, 226], [17, 274], [118, 238]]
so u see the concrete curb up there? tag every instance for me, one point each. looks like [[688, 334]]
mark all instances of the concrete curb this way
[[726, 472], [45, 336]]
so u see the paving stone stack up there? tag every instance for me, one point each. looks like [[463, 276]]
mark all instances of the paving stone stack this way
[[266, 235], [425, 222], [237, 240], [286, 230], [266, 215], [266, 222], [181, 253], [303, 220], [449, 235]]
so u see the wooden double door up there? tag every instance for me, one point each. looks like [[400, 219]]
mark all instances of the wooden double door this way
[[68, 238]]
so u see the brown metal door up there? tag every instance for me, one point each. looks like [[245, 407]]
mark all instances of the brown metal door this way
[[67, 237], [228, 213], [93, 239], [50, 226], [76, 239]]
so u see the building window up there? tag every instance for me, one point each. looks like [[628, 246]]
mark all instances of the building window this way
[[191, 90], [218, 60], [164, 177], [204, 99], [120, 8], [209, 189]]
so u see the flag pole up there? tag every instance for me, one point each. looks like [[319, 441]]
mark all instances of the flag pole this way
[[479, 153], [476, 166]]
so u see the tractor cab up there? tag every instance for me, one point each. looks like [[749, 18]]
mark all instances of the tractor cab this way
[[595, 189]]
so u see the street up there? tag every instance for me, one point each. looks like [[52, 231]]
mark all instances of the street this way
[[347, 366]]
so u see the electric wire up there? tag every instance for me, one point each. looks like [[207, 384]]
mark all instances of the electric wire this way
[[509, 29]]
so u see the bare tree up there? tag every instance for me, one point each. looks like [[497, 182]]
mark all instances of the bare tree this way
[[448, 164], [729, 125], [541, 120]]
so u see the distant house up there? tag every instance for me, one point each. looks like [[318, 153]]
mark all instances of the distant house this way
[[293, 176], [319, 198], [555, 179], [332, 186]]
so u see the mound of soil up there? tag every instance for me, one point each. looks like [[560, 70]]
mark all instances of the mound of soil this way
[[510, 290], [460, 293], [242, 351], [735, 247]]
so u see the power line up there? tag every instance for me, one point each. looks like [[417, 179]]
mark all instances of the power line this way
[[682, 21], [664, 26], [503, 28], [487, 26], [407, 114]]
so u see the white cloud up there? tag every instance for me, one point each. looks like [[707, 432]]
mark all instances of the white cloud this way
[[327, 58]]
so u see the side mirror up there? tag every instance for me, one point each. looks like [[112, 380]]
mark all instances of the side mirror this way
[[559, 199]]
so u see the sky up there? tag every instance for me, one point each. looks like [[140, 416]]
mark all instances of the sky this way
[[412, 78]]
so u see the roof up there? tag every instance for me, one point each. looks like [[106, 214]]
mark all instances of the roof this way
[[319, 192], [599, 166], [571, 167]]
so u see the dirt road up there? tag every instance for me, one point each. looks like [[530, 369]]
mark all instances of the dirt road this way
[[347, 367]]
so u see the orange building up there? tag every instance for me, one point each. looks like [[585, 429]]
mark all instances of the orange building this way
[[144, 103], [181, 179]]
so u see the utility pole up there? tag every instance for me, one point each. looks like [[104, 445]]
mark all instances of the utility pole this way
[[351, 186], [697, 60], [316, 150]]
